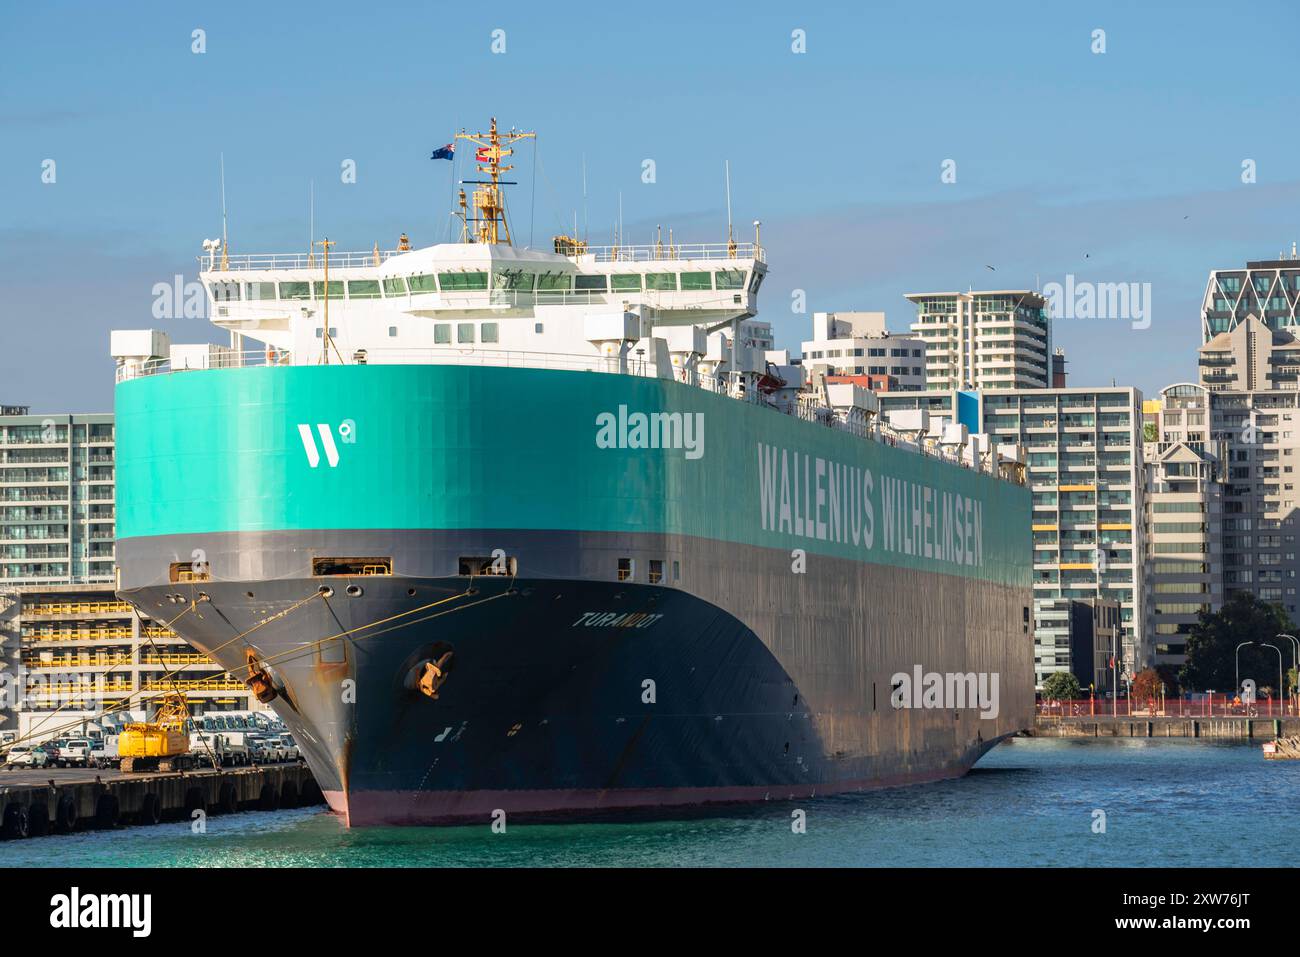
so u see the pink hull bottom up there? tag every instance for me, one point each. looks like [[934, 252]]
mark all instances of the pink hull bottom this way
[[378, 808]]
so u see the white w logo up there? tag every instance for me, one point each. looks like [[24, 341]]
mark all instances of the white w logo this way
[[327, 440]]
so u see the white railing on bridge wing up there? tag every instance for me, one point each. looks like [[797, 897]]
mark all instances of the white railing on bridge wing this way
[[254, 261], [666, 251]]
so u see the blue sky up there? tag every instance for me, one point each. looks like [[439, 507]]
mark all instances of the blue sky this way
[[1115, 167]]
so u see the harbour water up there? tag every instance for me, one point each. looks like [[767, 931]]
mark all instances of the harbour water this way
[[1029, 802]]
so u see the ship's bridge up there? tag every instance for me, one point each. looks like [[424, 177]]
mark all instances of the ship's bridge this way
[[465, 294]]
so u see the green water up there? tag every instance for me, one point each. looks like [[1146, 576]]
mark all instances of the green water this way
[[1028, 802]]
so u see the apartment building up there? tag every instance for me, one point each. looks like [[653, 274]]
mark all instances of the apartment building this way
[[56, 498], [79, 651], [1184, 518], [1267, 289], [984, 340], [859, 344], [1260, 432], [1086, 476]]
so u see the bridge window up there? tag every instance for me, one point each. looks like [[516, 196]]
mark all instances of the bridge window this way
[[363, 288], [696, 281], [490, 332], [756, 281], [295, 290], [730, 278], [661, 280], [590, 283], [335, 290], [462, 281], [554, 282], [260, 291], [422, 283], [225, 291], [395, 286], [626, 281], [513, 279]]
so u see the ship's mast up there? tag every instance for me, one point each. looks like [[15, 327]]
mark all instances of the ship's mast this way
[[489, 218], [325, 333]]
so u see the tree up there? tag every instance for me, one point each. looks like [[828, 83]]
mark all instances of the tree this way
[[1146, 685], [1060, 686], [1169, 677], [1213, 640]]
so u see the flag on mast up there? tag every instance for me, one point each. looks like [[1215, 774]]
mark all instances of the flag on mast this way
[[444, 152]]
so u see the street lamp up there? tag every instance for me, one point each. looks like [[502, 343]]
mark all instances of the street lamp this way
[[1295, 651], [1279, 664], [1237, 656]]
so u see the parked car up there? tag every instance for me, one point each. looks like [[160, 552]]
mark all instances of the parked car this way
[[75, 753], [22, 756], [291, 750], [268, 748]]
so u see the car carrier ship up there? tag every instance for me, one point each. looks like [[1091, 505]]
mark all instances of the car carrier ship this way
[[497, 529]]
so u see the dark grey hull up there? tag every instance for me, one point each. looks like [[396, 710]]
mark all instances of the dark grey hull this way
[[574, 692]]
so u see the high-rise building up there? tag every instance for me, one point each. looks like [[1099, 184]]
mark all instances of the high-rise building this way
[[984, 340], [859, 344], [1184, 518], [1260, 433], [1250, 357], [1267, 289], [1085, 470], [56, 499]]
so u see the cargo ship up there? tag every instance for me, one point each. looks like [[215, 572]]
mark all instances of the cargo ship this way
[[501, 531]]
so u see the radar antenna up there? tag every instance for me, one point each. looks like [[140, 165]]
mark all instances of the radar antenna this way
[[489, 219]]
